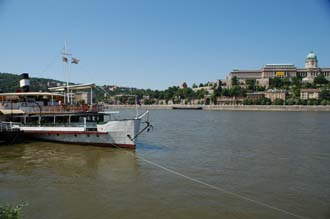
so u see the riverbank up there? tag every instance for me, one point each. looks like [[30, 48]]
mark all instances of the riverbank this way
[[284, 108]]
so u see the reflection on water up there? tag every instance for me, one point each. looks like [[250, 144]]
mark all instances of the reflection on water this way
[[281, 159]]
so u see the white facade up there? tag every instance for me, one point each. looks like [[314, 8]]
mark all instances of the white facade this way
[[306, 94]]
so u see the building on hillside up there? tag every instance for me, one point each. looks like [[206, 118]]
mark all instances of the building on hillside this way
[[115, 88], [255, 95], [306, 94], [311, 70], [263, 82], [274, 94], [112, 87], [209, 89], [55, 84], [229, 100]]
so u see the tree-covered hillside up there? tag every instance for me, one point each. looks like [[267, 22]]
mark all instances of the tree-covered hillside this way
[[10, 83]]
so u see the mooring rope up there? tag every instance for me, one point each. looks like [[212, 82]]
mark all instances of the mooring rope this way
[[213, 186]]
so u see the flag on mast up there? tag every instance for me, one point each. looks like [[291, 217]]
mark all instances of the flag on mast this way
[[65, 59], [75, 61]]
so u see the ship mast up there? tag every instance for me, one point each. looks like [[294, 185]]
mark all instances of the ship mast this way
[[66, 72]]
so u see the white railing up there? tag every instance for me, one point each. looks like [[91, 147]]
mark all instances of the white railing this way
[[39, 108], [88, 125]]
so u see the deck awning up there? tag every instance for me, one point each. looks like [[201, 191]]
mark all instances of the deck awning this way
[[73, 87], [30, 94], [8, 112], [18, 95]]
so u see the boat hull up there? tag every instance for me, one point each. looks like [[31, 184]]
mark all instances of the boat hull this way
[[111, 134]]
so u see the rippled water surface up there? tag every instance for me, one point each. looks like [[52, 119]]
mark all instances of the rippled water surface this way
[[279, 159]]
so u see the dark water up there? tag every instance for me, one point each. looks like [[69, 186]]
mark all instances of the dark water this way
[[280, 159]]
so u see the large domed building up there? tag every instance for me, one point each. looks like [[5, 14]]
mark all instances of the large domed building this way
[[262, 75], [311, 60]]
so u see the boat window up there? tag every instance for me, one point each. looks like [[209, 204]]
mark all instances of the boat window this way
[[100, 118], [75, 119], [106, 117]]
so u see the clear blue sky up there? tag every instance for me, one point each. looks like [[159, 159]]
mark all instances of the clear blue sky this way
[[160, 43]]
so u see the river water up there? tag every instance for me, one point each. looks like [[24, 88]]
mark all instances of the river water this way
[[195, 164]]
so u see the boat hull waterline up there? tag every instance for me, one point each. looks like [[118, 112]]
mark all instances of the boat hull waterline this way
[[112, 134]]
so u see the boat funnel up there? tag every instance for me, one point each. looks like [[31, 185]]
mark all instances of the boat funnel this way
[[25, 82]]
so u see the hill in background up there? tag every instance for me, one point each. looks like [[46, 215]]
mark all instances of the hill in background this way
[[10, 83]]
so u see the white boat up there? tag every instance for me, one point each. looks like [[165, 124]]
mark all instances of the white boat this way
[[56, 116], [114, 133], [40, 115]]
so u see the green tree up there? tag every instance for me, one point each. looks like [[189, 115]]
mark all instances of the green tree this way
[[131, 100], [247, 101], [278, 101], [226, 92], [214, 98], [251, 84], [200, 94], [324, 102], [237, 91], [234, 81], [285, 83], [325, 94], [320, 79], [308, 85], [265, 101], [275, 82], [216, 93], [303, 102], [292, 101], [296, 81], [260, 88], [296, 91]]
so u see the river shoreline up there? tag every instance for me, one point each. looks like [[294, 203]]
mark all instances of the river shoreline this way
[[277, 108]]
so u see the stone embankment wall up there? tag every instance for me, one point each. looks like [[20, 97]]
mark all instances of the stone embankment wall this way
[[285, 108]]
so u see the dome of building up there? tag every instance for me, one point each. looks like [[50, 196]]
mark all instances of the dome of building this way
[[311, 55]]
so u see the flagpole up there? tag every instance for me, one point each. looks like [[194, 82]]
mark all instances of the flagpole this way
[[66, 73], [63, 57], [66, 56]]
